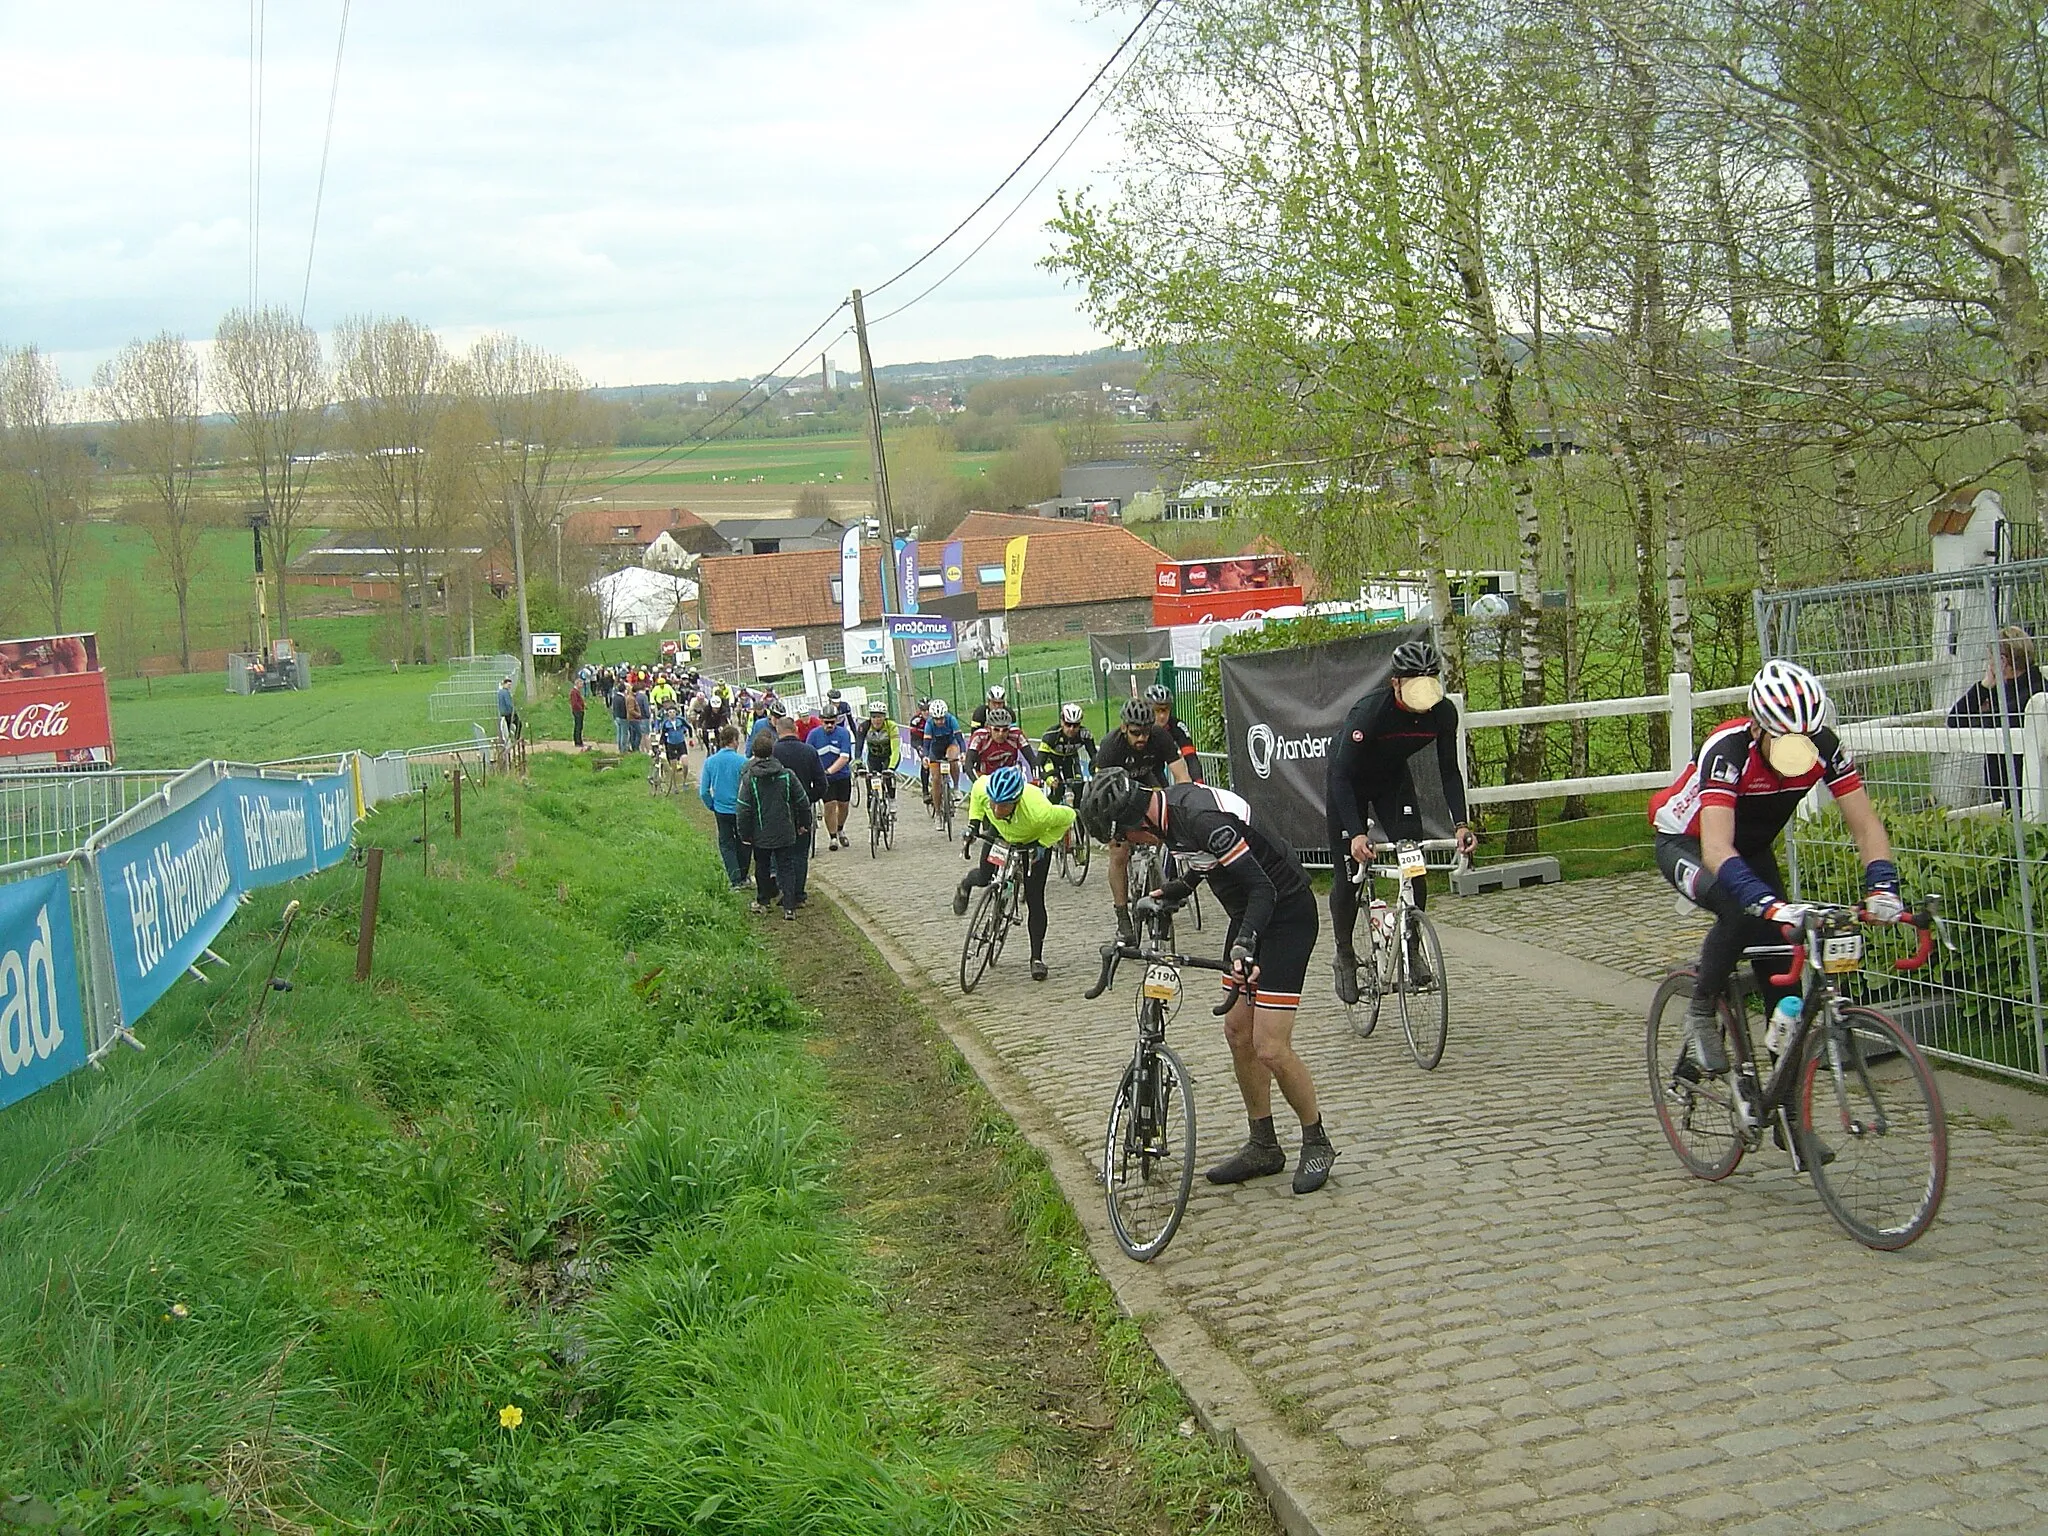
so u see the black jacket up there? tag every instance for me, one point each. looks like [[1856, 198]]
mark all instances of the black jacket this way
[[801, 759], [770, 808]]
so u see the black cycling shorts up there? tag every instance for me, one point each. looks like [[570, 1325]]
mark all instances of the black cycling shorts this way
[[839, 789], [1284, 950], [1396, 815]]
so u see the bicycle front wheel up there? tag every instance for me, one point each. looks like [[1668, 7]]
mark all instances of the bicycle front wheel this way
[[978, 947], [1148, 1154], [1425, 994], [1077, 862], [1872, 1130], [1697, 1112]]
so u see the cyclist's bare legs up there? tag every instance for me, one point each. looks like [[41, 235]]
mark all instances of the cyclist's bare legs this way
[[1119, 877], [1262, 1053]]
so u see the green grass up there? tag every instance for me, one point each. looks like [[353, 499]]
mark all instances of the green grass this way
[[568, 1153], [754, 461], [173, 722]]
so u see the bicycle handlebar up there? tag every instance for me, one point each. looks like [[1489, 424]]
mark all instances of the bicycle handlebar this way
[[1924, 918]]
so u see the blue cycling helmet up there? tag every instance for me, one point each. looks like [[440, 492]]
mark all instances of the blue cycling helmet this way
[[1006, 785]]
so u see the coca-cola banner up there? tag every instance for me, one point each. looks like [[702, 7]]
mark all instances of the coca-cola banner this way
[[1281, 710], [49, 656], [42, 1020], [55, 719]]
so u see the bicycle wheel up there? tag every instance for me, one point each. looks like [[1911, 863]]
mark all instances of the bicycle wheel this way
[[1011, 891], [1365, 1013], [977, 948], [1077, 862], [874, 823], [1148, 1155], [1425, 1006], [1872, 1130], [888, 822], [1698, 1114]]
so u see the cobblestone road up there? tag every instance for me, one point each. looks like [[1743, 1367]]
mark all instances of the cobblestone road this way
[[1511, 1304]]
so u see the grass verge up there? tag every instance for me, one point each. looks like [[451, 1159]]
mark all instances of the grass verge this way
[[536, 1233]]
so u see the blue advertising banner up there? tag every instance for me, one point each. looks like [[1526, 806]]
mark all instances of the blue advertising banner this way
[[954, 567], [168, 890], [334, 817], [42, 1017], [277, 832], [906, 575]]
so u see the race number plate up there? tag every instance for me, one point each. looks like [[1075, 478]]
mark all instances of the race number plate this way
[[1841, 953], [998, 855], [1161, 982], [1413, 864]]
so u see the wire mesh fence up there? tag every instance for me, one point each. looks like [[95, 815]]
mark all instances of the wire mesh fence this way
[[470, 691], [1938, 697], [43, 814]]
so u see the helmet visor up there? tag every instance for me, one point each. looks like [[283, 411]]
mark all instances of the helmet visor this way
[[1790, 756]]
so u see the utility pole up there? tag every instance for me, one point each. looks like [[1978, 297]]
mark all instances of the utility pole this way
[[516, 505], [891, 598]]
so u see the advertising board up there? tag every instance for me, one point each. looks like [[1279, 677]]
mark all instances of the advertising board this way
[[53, 703]]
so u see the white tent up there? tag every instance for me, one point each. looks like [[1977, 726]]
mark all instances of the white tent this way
[[637, 601]]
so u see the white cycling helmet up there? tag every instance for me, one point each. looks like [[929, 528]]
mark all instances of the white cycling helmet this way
[[1787, 700], [1070, 714], [939, 710], [997, 694]]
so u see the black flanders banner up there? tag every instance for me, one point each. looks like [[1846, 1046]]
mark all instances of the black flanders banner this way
[[1128, 662], [1281, 710]]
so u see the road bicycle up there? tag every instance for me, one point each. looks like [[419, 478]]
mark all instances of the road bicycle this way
[[945, 801], [1401, 934], [667, 774], [1850, 1097], [1072, 855], [881, 808], [1151, 866], [996, 911], [1148, 1146]]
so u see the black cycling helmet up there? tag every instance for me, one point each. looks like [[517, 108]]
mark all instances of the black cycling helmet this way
[[1111, 803], [1417, 658], [1137, 712]]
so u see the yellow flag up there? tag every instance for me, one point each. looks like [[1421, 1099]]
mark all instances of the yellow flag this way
[[1013, 570]]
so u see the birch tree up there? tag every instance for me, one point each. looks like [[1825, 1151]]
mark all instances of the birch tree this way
[[43, 477]]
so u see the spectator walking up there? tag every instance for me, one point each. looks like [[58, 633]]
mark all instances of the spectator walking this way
[[718, 785], [636, 715], [621, 700], [772, 815], [576, 709], [833, 743], [508, 718], [801, 759]]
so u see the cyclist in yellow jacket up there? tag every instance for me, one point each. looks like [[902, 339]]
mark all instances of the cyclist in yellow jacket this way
[[1004, 808]]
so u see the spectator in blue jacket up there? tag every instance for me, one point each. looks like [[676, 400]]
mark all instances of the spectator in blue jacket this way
[[718, 784]]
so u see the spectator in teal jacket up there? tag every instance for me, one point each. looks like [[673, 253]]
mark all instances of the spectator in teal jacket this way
[[718, 784]]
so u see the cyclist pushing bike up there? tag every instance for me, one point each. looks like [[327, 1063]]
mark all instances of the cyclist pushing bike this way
[[1369, 777], [1717, 825], [1004, 807], [1151, 761], [1272, 934]]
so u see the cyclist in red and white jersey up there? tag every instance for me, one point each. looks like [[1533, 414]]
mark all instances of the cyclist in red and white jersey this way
[[1718, 823]]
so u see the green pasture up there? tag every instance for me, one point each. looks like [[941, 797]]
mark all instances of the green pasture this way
[[750, 461]]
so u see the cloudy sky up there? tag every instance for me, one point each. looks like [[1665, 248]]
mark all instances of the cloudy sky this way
[[657, 190]]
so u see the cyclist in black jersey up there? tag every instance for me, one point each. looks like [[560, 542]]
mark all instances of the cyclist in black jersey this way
[[1150, 758], [1369, 779], [1166, 723], [1272, 934], [1060, 751]]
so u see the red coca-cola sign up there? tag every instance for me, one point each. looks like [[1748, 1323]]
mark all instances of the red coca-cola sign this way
[[52, 720]]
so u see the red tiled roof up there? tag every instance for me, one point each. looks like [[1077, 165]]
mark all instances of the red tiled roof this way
[[1077, 563], [599, 526], [1009, 524]]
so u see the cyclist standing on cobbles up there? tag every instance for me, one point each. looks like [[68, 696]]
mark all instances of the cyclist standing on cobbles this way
[[1060, 751], [1369, 777], [1004, 806], [1152, 761], [1717, 825], [1167, 724], [1272, 934]]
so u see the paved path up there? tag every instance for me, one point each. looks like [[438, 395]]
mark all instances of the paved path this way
[[1511, 1305]]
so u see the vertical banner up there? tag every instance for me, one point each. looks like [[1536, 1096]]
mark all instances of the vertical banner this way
[[168, 890], [849, 579], [954, 565], [1281, 712], [1013, 570], [906, 574], [42, 1017], [334, 825]]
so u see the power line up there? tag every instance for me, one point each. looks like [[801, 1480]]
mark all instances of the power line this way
[[1029, 192], [733, 405], [326, 143], [1018, 169]]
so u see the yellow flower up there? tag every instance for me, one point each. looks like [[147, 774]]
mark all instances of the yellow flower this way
[[179, 1309], [511, 1416]]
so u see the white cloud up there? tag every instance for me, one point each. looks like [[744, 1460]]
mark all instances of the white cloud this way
[[657, 190]]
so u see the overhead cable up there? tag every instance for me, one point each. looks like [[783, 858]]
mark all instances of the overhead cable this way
[[326, 143]]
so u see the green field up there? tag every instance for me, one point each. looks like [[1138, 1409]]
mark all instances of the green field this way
[[751, 461]]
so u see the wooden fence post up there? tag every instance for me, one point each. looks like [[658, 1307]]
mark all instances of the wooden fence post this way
[[366, 927]]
